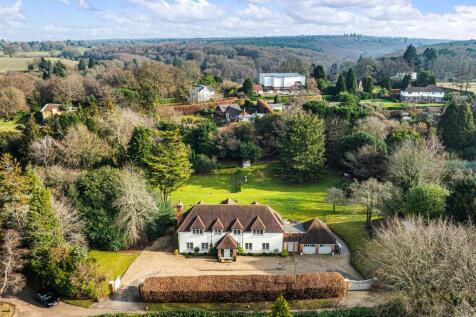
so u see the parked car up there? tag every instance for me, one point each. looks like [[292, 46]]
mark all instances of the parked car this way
[[47, 299]]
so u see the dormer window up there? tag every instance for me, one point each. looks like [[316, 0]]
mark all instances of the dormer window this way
[[197, 231], [217, 231], [236, 231], [258, 232]]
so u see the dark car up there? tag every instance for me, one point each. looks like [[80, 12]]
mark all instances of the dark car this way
[[47, 299]]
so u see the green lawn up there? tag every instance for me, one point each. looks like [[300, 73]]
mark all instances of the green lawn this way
[[292, 201], [232, 307], [20, 64], [113, 264], [394, 105], [8, 126]]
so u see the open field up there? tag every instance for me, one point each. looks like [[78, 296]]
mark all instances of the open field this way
[[8, 126], [395, 105], [455, 86], [292, 201], [20, 64]]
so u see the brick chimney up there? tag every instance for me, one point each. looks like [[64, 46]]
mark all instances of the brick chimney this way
[[179, 213]]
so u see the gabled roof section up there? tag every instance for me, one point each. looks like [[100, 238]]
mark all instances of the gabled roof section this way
[[258, 224], [201, 202], [197, 224], [229, 201], [218, 225], [237, 225], [227, 242], [317, 232], [241, 217], [255, 203]]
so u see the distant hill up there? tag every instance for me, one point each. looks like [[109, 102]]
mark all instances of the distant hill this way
[[456, 60], [340, 47]]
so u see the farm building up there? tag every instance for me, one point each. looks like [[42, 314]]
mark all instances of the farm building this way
[[254, 228], [426, 94], [282, 81]]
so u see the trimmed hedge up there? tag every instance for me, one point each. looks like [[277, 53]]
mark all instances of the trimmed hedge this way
[[241, 288], [352, 312]]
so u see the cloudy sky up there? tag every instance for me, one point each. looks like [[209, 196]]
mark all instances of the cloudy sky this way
[[102, 19]]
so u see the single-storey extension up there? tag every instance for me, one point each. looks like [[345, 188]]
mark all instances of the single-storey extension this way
[[426, 94], [282, 81]]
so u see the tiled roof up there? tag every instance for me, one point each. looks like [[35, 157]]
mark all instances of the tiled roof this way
[[50, 106], [229, 214], [430, 88], [229, 201], [227, 242], [237, 225], [258, 224], [197, 223], [218, 225], [317, 232]]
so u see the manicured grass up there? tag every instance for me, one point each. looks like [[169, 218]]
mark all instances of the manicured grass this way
[[8, 126], [292, 201], [113, 264], [231, 307], [20, 64]]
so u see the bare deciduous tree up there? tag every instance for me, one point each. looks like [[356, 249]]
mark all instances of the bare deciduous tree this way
[[433, 263], [83, 148], [135, 204], [45, 151], [71, 223], [417, 162], [371, 194], [335, 196], [11, 263], [69, 89], [12, 100], [368, 161]]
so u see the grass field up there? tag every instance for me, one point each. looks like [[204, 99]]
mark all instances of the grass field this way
[[20, 64], [455, 86], [292, 201], [232, 307], [393, 105], [8, 126]]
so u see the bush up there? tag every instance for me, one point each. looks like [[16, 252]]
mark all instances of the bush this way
[[238, 288], [202, 163], [250, 151], [427, 200], [285, 253]]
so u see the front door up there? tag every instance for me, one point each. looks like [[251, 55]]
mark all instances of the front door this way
[[290, 246], [227, 253]]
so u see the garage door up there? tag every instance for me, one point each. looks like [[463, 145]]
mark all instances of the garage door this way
[[309, 249], [325, 249]]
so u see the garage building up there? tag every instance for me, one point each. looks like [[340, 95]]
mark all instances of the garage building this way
[[310, 237]]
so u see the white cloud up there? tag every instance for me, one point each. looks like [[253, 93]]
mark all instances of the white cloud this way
[[12, 14], [182, 10]]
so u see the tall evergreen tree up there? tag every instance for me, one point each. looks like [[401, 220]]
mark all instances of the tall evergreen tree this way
[[301, 146], [351, 81], [340, 85], [411, 56], [368, 84], [248, 87], [169, 166], [82, 65], [140, 145], [319, 72], [456, 125]]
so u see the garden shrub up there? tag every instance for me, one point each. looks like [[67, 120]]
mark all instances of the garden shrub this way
[[236, 288], [202, 163]]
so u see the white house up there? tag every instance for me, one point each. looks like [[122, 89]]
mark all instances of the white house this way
[[253, 228], [426, 94], [201, 93], [400, 76], [282, 81]]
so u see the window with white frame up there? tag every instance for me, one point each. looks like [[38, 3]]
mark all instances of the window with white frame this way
[[190, 245], [258, 232], [309, 245], [265, 246], [197, 231], [248, 246], [204, 246], [217, 231], [236, 231]]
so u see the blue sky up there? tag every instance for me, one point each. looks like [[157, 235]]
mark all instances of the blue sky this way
[[100, 19]]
